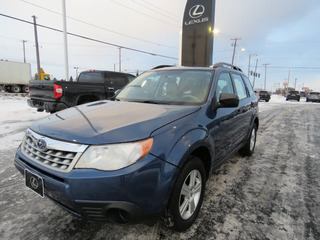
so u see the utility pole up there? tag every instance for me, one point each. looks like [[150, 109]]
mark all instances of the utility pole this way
[[37, 47], [295, 84], [234, 47], [66, 63], [265, 76], [255, 72], [119, 59], [24, 50]]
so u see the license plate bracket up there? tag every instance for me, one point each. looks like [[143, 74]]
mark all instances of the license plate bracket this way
[[34, 182]]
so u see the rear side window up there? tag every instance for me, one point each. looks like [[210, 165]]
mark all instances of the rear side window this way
[[117, 80], [224, 85], [249, 86], [92, 77], [240, 87]]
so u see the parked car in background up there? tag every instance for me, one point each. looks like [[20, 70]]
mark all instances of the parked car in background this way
[[93, 85], [264, 95], [149, 152], [302, 94], [313, 97], [293, 95]]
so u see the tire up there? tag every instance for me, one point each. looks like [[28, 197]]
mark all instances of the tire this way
[[267, 100], [307, 100], [25, 89], [287, 99], [187, 195], [15, 89], [248, 149]]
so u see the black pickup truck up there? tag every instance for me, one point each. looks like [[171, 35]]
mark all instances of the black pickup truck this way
[[93, 85]]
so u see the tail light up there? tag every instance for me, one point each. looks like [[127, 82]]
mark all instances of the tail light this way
[[57, 90]]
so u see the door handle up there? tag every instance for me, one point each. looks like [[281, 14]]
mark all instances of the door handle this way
[[110, 88]]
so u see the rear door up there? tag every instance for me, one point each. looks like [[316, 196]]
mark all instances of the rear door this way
[[90, 83], [245, 109]]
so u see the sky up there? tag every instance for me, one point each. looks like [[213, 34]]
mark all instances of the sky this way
[[284, 34]]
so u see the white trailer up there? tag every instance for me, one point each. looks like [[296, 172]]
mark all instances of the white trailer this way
[[15, 76]]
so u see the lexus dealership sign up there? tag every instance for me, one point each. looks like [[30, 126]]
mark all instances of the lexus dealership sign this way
[[197, 33]]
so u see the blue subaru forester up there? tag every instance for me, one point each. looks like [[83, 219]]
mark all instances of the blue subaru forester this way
[[149, 152]]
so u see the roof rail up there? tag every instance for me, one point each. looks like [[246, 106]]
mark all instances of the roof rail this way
[[162, 66], [226, 65]]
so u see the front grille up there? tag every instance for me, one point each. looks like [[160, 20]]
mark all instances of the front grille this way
[[57, 155]]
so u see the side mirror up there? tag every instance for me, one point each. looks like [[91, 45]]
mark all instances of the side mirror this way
[[228, 100]]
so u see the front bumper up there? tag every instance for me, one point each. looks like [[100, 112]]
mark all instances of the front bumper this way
[[136, 194], [314, 99], [47, 106]]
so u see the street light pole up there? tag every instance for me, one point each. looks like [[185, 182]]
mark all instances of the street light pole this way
[[119, 59], [65, 39], [24, 50], [288, 82], [265, 76], [240, 50]]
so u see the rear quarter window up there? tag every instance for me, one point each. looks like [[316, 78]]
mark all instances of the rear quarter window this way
[[240, 86], [249, 86]]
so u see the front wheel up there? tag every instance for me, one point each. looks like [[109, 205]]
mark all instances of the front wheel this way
[[187, 195], [248, 149]]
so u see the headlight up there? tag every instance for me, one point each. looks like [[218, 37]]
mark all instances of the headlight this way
[[114, 156]]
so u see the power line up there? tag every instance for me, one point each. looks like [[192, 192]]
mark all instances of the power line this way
[[142, 13], [160, 9], [105, 29], [90, 39], [175, 18]]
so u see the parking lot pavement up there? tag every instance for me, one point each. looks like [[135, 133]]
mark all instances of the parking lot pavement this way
[[275, 194]]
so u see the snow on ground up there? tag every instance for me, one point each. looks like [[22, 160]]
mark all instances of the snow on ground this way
[[15, 117], [274, 194]]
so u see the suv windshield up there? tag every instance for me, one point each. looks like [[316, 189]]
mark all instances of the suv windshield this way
[[314, 93], [181, 87], [294, 92]]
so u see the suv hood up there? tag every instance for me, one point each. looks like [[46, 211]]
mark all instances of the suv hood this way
[[106, 122]]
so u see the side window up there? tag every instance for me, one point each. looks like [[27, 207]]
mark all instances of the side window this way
[[249, 86], [224, 85], [240, 87], [92, 77], [116, 80]]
